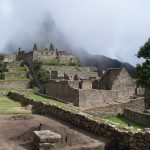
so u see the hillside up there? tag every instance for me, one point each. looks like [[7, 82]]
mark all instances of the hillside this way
[[102, 62]]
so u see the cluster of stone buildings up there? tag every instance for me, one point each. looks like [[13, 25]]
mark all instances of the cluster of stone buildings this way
[[44, 55], [115, 85], [77, 84]]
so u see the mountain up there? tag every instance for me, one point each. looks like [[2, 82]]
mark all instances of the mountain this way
[[102, 62]]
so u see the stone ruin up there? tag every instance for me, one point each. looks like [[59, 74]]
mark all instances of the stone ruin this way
[[47, 55], [77, 84], [116, 85], [45, 139]]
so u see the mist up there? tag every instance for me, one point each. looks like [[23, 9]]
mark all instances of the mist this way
[[112, 28]]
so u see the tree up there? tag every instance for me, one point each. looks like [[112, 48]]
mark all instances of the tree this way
[[1, 57], [143, 70], [3, 66], [43, 76]]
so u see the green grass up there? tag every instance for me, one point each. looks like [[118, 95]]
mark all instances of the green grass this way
[[119, 120], [16, 90], [8, 106], [15, 79], [18, 69], [45, 99]]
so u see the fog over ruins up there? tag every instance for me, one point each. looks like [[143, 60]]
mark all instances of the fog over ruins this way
[[70, 78]]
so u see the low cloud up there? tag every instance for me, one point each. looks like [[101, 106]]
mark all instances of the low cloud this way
[[112, 28]]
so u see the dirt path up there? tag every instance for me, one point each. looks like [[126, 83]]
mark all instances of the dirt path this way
[[16, 134]]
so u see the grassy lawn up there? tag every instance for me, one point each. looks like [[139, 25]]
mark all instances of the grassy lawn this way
[[45, 99], [8, 106], [123, 122]]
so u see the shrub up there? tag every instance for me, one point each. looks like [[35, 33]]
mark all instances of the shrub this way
[[3, 67], [53, 62], [2, 76], [43, 76]]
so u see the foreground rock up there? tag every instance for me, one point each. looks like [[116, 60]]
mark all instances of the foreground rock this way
[[45, 139]]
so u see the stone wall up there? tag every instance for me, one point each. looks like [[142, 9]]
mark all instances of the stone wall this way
[[62, 90], [16, 75], [71, 71], [108, 78], [123, 81], [116, 108], [10, 57], [67, 69], [96, 97], [117, 79], [68, 91], [85, 84], [137, 116], [44, 55], [7, 84], [127, 139], [28, 58]]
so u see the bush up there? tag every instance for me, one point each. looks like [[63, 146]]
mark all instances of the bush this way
[[143, 70], [2, 76], [72, 64], [53, 62], [43, 76], [3, 67], [1, 57]]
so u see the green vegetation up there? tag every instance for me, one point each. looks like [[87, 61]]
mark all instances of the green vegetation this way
[[119, 120], [15, 79], [45, 99], [143, 70], [8, 106], [37, 65], [2, 75], [16, 90], [42, 74], [18, 69], [3, 66], [53, 62]]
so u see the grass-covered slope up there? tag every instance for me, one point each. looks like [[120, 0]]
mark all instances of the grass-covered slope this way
[[8, 106]]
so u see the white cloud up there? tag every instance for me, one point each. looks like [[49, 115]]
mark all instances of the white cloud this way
[[110, 27]]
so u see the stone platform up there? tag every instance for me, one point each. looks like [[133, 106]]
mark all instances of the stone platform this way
[[45, 139]]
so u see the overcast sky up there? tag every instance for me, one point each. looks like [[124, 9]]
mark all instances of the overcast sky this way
[[114, 28]]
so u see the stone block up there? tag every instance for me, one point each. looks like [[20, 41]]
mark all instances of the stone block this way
[[46, 136]]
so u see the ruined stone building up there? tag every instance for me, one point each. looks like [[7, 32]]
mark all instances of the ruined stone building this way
[[74, 83], [47, 55], [115, 85]]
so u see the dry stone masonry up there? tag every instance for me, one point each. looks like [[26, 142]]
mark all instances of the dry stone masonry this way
[[45, 139], [128, 139]]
